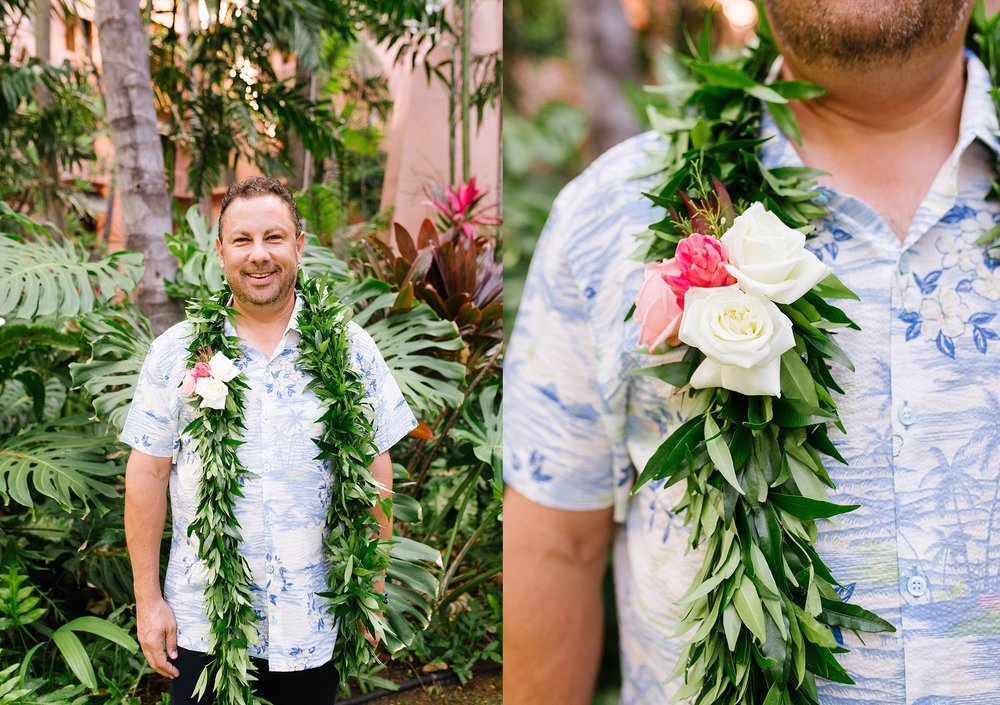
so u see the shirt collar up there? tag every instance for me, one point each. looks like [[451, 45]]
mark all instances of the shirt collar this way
[[293, 322], [978, 121]]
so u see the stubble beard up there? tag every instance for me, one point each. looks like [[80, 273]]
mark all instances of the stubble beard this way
[[247, 296], [863, 32]]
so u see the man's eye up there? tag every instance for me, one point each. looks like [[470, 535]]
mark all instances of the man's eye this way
[[275, 238]]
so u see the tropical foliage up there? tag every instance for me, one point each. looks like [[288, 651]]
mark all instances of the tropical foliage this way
[[71, 344]]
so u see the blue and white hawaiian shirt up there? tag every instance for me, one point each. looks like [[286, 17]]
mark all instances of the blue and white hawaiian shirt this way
[[282, 513], [922, 414]]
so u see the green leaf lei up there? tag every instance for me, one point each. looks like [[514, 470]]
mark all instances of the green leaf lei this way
[[760, 609], [357, 556]]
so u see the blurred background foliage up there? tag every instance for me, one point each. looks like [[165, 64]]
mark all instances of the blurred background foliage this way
[[574, 72]]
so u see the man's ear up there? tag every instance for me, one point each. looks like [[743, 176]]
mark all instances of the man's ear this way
[[300, 245]]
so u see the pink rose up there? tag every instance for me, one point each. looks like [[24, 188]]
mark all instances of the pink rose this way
[[701, 260], [189, 383], [201, 369], [656, 306]]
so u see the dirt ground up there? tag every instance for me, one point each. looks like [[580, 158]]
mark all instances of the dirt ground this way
[[484, 689]]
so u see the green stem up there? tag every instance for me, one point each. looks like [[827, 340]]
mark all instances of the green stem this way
[[466, 89], [453, 566], [454, 535]]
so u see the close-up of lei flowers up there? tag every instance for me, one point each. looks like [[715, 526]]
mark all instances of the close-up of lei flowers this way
[[358, 558], [729, 282]]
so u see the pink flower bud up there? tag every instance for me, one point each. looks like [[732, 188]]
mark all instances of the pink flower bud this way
[[189, 384], [657, 307], [200, 370]]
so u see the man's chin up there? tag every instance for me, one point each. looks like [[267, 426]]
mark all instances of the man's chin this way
[[271, 295]]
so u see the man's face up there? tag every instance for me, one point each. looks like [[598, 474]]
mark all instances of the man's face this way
[[852, 33], [260, 250]]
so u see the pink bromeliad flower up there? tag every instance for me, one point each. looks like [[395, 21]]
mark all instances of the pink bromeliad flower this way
[[701, 260], [458, 207]]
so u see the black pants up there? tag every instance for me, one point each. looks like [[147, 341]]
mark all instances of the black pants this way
[[315, 686]]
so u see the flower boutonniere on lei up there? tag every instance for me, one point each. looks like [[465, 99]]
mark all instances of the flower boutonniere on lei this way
[[209, 380], [748, 304]]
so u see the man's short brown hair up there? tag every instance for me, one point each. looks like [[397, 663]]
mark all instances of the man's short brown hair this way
[[255, 187]]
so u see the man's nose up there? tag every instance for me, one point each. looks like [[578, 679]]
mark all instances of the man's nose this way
[[259, 251]]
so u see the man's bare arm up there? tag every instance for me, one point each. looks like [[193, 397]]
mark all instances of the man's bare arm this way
[[146, 480], [554, 564]]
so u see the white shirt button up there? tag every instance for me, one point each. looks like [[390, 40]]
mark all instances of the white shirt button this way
[[907, 416], [916, 585], [269, 569]]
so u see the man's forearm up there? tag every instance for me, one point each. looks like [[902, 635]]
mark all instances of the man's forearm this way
[[145, 514], [381, 470], [553, 609]]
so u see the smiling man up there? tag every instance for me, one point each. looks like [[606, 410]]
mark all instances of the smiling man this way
[[284, 500]]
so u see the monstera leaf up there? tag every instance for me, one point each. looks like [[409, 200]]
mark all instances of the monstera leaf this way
[[482, 426], [62, 460], [118, 347], [19, 403], [413, 342], [45, 278]]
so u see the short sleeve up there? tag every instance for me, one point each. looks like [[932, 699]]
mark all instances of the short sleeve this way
[[392, 416], [555, 446], [151, 424]]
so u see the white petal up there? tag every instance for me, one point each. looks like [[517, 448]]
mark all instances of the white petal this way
[[774, 292], [809, 271], [763, 380], [707, 375]]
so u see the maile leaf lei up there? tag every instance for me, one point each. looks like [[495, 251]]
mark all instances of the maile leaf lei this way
[[357, 556], [760, 610]]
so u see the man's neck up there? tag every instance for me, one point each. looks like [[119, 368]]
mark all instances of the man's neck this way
[[261, 327], [884, 133]]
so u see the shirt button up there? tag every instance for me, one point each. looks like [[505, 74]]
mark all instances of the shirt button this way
[[916, 585], [269, 569], [907, 416], [904, 268]]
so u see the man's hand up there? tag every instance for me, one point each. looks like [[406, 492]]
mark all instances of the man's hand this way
[[157, 629], [146, 479]]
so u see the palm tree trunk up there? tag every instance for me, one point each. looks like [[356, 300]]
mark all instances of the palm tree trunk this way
[[128, 97], [302, 159], [603, 48]]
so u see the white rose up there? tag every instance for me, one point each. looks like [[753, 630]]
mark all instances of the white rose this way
[[768, 257], [222, 367], [213, 393], [742, 336]]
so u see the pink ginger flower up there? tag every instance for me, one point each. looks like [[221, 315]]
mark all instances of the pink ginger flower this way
[[701, 260]]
